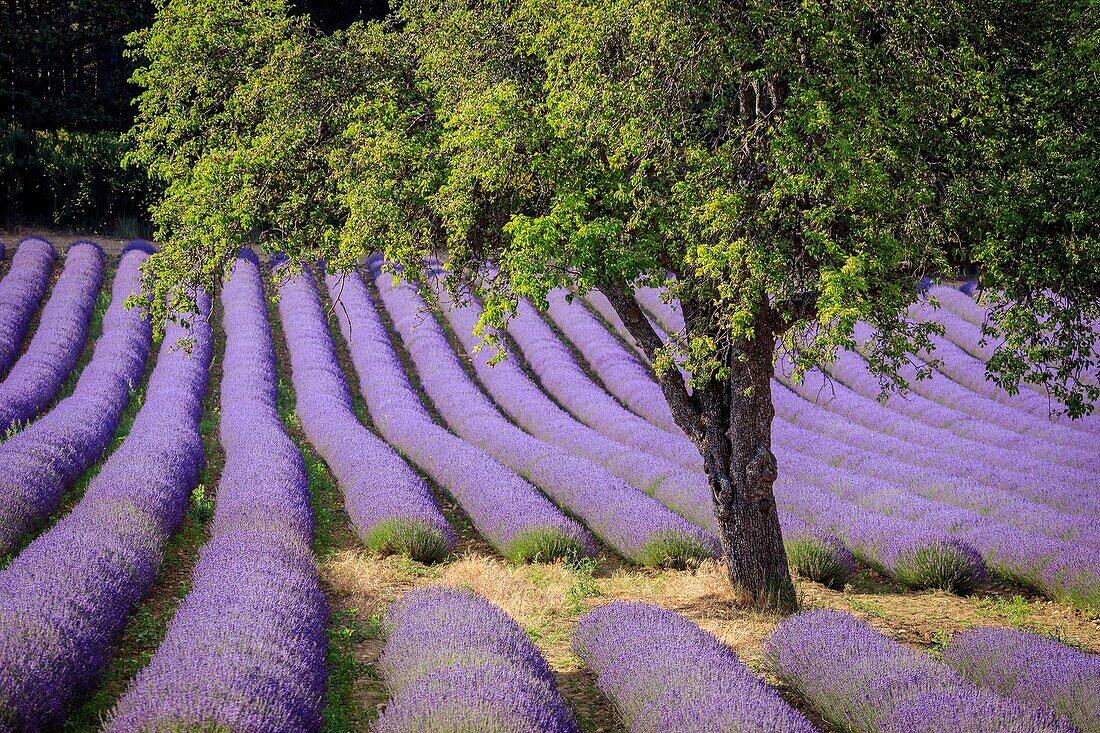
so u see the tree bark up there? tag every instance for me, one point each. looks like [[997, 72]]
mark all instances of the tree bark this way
[[730, 422], [741, 469]]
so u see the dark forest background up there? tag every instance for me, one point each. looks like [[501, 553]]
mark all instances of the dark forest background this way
[[65, 100]]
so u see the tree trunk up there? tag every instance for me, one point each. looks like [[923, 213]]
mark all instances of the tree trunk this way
[[736, 418], [730, 422]]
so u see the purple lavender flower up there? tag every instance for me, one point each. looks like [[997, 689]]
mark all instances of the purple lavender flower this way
[[631, 522], [508, 511], [56, 345], [66, 598], [20, 292], [859, 680], [624, 375], [389, 504], [246, 649], [911, 551], [41, 462], [664, 673], [1032, 670], [453, 661], [523, 401], [563, 378]]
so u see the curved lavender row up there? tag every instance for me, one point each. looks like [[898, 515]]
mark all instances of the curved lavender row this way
[[922, 470], [624, 376], [667, 315], [1056, 568], [663, 673], [43, 461], [968, 336], [523, 401], [992, 464], [967, 367], [255, 588], [1046, 522], [861, 681], [20, 292], [599, 303], [510, 513], [65, 599], [1032, 670], [960, 303], [563, 378], [453, 661], [632, 523], [670, 319], [959, 384], [390, 505], [991, 427], [915, 553], [58, 341]]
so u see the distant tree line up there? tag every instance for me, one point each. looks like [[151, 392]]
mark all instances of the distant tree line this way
[[65, 99]]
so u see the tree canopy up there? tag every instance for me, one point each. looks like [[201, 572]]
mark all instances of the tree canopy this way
[[796, 167], [812, 160]]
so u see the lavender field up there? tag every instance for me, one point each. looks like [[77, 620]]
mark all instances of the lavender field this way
[[331, 512]]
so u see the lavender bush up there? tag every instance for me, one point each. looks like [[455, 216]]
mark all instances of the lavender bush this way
[[20, 292], [629, 521], [666, 675], [455, 662], [814, 554], [507, 510], [255, 589], [389, 504], [861, 681], [58, 341], [43, 461], [65, 599], [1032, 670]]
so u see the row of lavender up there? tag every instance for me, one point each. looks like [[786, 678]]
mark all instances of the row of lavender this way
[[390, 506], [626, 519], [918, 555], [20, 292], [647, 458], [43, 461], [38, 374], [246, 648], [66, 597], [452, 661], [507, 510]]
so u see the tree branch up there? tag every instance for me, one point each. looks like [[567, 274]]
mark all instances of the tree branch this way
[[685, 407]]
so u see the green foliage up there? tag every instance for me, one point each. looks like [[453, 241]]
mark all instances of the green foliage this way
[[796, 167], [409, 538], [68, 179], [63, 65], [814, 559]]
